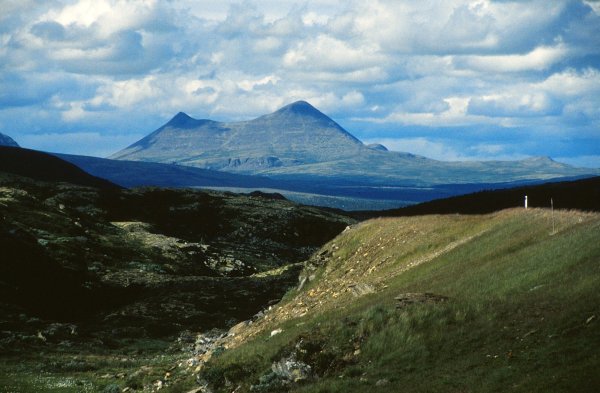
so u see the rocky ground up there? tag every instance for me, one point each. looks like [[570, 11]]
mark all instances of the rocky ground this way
[[90, 269]]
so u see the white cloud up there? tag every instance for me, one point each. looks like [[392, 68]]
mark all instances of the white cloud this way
[[539, 59], [594, 4], [454, 113], [106, 16], [328, 53], [74, 112], [571, 83], [268, 44], [568, 95], [249, 85], [124, 94], [98, 65], [453, 26], [514, 105]]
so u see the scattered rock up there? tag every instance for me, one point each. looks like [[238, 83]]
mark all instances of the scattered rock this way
[[236, 329], [302, 280], [590, 319], [361, 289], [208, 341], [186, 337], [59, 331], [382, 382], [276, 332], [204, 387], [529, 333], [407, 299], [258, 315], [292, 370]]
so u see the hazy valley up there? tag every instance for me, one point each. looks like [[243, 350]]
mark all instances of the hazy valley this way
[[302, 153]]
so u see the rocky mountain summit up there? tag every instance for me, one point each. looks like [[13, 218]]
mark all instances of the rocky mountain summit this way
[[296, 134], [298, 141]]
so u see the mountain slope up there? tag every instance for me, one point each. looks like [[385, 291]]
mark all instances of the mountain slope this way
[[295, 134], [5, 140], [140, 173], [484, 303], [298, 141]]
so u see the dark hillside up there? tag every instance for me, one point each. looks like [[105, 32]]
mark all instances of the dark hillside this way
[[581, 194], [46, 167], [153, 260]]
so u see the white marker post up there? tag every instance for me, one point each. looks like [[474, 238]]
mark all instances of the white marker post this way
[[525, 201], [552, 207]]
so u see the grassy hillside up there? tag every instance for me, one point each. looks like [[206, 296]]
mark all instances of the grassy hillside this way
[[514, 306]]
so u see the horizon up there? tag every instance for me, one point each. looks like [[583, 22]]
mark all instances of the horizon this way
[[452, 81]]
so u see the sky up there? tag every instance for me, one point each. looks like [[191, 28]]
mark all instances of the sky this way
[[447, 79]]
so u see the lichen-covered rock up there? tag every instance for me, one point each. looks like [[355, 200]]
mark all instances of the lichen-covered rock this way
[[292, 370]]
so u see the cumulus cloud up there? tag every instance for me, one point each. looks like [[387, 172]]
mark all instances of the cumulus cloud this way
[[121, 67], [539, 59], [514, 105], [328, 53]]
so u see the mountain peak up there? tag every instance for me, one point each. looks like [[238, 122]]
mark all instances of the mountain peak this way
[[301, 105], [180, 119], [302, 108]]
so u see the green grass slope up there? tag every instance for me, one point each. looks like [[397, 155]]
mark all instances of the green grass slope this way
[[521, 314]]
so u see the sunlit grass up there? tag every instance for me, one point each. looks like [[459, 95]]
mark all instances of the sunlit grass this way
[[522, 313]]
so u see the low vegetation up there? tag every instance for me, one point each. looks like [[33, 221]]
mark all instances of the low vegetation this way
[[99, 285], [516, 309]]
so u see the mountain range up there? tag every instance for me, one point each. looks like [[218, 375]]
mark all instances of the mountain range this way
[[303, 154], [295, 135], [298, 141]]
